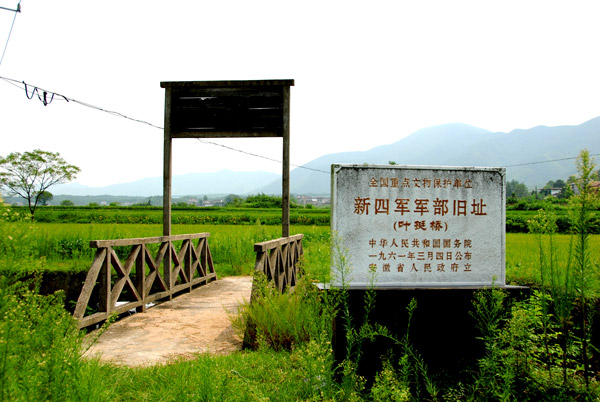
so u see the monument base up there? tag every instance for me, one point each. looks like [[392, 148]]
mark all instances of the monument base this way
[[442, 329]]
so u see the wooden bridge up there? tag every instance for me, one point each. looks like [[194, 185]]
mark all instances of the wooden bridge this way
[[135, 274], [158, 268]]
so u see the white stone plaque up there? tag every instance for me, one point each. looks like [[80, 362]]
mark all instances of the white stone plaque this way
[[420, 226]]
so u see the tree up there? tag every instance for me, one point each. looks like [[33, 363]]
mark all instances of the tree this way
[[516, 189], [30, 174], [45, 197], [67, 203], [233, 200]]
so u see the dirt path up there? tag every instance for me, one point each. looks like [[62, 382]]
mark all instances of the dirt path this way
[[195, 322]]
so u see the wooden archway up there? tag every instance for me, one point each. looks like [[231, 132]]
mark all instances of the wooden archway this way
[[227, 109]]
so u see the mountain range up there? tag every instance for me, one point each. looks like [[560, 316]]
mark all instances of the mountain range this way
[[532, 156]]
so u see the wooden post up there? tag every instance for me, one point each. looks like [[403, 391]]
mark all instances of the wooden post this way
[[105, 285], [167, 167], [140, 276], [285, 198]]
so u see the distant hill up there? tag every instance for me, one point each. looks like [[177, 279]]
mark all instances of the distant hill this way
[[445, 145], [222, 182], [464, 145]]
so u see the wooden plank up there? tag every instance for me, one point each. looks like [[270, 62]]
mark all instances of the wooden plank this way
[[157, 296], [92, 319], [272, 261], [126, 307], [90, 282], [116, 291], [154, 274], [181, 254], [285, 191], [226, 134], [131, 258], [230, 83], [206, 278], [167, 165], [168, 266], [259, 264], [105, 285], [179, 288], [162, 251], [207, 260], [188, 245], [266, 245], [146, 240], [176, 265], [140, 275], [149, 281], [196, 258], [124, 272]]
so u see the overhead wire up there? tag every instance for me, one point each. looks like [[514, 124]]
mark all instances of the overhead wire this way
[[44, 99], [548, 161], [16, 11]]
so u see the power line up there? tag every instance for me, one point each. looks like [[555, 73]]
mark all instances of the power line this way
[[259, 156], [46, 94], [551, 160], [18, 10]]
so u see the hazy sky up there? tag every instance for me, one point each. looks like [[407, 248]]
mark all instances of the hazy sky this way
[[366, 73]]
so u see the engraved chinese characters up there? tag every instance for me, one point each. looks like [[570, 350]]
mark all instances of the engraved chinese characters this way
[[420, 226]]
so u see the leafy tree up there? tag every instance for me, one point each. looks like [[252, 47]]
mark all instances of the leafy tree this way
[[30, 174], [67, 203], [233, 199], [516, 189], [45, 197]]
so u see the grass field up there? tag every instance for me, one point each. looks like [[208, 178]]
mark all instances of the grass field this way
[[40, 347], [523, 254], [65, 246]]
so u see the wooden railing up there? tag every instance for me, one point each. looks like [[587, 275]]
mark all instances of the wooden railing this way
[[181, 270], [278, 259]]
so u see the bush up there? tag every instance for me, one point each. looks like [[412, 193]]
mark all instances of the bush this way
[[277, 320], [40, 345]]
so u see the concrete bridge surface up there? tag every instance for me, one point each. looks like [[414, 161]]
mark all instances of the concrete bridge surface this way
[[195, 322]]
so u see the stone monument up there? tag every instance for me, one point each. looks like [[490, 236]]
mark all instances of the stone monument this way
[[420, 226]]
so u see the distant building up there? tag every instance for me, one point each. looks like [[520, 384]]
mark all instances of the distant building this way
[[305, 200], [594, 185]]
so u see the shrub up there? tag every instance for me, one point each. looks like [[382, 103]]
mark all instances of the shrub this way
[[277, 320], [40, 345]]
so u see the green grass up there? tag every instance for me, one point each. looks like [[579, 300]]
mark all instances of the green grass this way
[[187, 215], [26, 246], [523, 255], [40, 356], [65, 246]]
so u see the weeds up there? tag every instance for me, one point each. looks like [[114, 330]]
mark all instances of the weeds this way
[[540, 349]]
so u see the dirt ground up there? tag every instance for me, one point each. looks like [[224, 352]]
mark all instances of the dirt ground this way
[[196, 322]]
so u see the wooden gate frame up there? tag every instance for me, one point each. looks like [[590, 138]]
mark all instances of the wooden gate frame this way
[[227, 109]]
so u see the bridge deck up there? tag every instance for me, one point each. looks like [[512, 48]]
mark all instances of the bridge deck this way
[[192, 323]]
